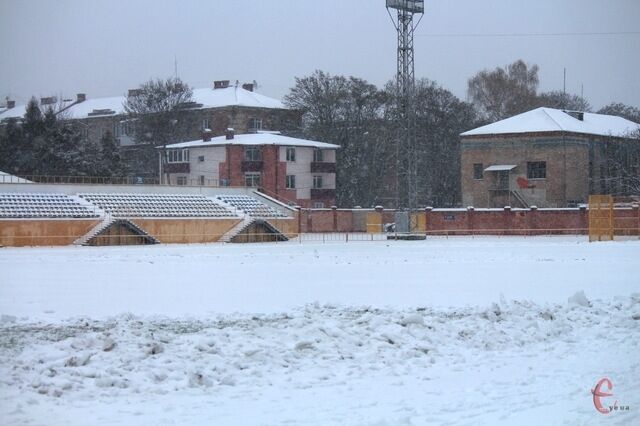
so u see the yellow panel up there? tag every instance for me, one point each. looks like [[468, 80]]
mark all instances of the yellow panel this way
[[418, 222], [374, 223], [600, 218]]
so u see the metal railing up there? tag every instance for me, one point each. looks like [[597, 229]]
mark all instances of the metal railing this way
[[323, 238], [106, 180]]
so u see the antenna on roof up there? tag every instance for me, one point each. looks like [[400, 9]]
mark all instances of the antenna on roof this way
[[255, 85], [175, 66]]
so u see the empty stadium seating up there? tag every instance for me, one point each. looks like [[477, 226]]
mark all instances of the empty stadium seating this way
[[158, 205], [36, 206], [251, 206]]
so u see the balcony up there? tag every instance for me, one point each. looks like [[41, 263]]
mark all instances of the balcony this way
[[323, 167], [322, 194], [177, 168], [252, 166]]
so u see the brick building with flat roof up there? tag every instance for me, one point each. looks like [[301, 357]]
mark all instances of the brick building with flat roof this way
[[548, 158], [292, 170]]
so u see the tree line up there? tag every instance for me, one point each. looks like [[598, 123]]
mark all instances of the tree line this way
[[348, 111], [363, 119], [44, 143]]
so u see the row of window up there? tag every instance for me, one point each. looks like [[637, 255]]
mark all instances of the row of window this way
[[178, 156], [318, 155], [535, 170], [254, 124], [251, 153], [126, 128], [253, 179]]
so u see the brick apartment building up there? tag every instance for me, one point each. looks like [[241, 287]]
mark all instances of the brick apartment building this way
[[548, 158], [216, 108], [292, 170]]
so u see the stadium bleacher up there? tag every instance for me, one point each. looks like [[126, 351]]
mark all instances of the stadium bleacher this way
[[251, 206], [157, 205], [35, 206]]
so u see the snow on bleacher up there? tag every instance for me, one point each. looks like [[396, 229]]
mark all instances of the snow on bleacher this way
[[36, 206], [158, 205], [250, 206]]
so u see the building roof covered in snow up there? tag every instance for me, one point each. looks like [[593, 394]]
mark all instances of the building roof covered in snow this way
[[260, 138], [202, 98], [556, 120]]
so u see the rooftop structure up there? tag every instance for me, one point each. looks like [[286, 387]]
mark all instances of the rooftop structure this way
[[259, 138], [556, 120], [203, 98]]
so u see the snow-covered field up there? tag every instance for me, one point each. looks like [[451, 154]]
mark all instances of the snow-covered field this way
[[444, 331]]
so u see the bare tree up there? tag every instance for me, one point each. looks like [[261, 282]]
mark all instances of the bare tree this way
[[621, 110], [561, 100], [158, 109], [504, 92]]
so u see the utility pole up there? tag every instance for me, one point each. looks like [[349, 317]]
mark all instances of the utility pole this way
[[406, 187]]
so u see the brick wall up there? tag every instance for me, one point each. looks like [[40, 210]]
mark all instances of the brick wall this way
[[475, 221]]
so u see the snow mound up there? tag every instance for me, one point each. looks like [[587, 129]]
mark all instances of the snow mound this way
[[579, 299]]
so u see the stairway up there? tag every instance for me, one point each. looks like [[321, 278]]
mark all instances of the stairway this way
[[247, 221], [104, 224], [518, 196], [108, 221]]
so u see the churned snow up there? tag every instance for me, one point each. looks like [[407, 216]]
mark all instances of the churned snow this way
[[554, 120], [444, 331]]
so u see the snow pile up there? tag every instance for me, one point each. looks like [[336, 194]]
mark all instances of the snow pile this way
[[317, 347], [579, 299]]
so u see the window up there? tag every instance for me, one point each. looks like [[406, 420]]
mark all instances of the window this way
[[224, 182], [201, 158], [318, 156], [252, 179], [291, 181], [178, 156], [477, 171], [317, 182], [205, 124], [181, 180], [255, 124], [318, 205], [537, 170], [123, 128], [252, 153], [291, 154], [202, 180]]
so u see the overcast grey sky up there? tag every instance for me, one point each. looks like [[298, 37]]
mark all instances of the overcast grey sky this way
[[104, 48]]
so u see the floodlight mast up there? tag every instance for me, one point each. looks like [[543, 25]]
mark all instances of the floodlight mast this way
[[406, 161]]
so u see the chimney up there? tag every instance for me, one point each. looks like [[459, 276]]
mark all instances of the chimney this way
[[48, 101], [133, 93], [81, 97], [11, 104], [248, 86], [206, 136], [221, 84], [578, 115], [229, 133]]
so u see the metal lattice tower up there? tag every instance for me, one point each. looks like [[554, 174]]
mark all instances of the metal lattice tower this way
[[406, 164]]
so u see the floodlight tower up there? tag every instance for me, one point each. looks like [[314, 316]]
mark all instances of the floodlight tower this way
[[406, 165]]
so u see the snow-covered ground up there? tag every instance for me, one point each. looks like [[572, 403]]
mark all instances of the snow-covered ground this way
[[444, 331]]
